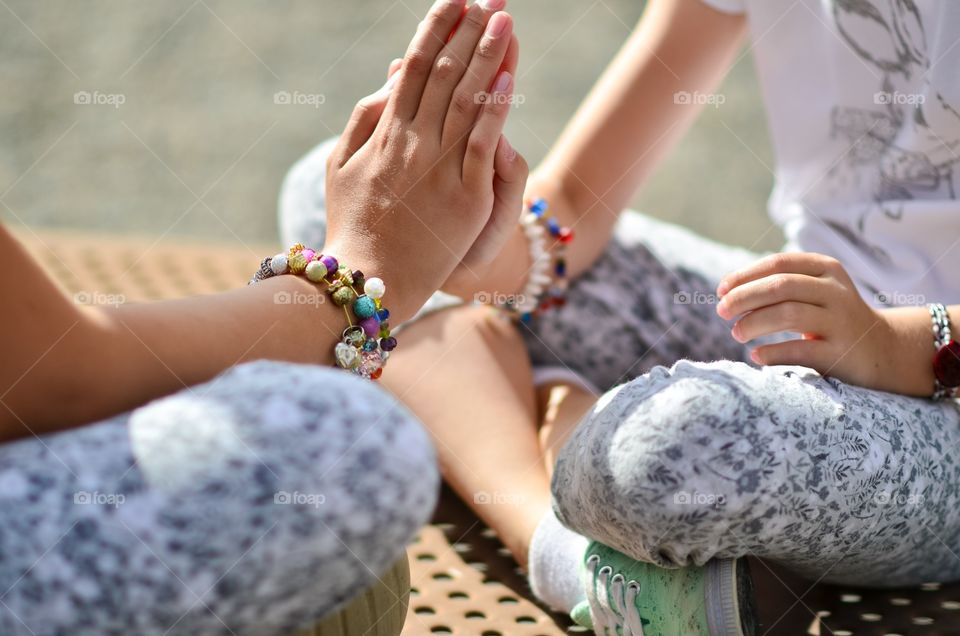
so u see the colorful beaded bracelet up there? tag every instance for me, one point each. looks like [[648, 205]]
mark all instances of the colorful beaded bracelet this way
[[365, 344], [538, 295]]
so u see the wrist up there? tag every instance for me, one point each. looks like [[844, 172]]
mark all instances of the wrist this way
[[908, 369], [404, 294]]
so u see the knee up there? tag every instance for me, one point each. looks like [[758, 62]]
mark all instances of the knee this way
[[316, 448], [673, 454]]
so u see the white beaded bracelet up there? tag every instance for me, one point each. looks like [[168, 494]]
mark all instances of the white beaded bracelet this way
[[539, 272]]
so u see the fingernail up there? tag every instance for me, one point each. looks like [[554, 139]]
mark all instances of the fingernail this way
[[503, 82], [723, 288], [497, 24], [755, 357], [492, 5], [508, 148]]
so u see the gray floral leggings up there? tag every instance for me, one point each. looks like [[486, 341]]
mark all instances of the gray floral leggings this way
[[250, 505], [712, 456], [694, 453]]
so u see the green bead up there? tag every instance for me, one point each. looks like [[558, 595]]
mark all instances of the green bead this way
[[342, 296]]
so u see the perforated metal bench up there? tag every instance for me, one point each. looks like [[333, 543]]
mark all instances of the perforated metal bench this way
[[463, 582]]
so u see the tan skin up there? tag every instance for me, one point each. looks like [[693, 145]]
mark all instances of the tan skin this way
[[620, 133], [66, 365]]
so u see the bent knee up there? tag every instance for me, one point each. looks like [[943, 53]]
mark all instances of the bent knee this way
[[677, 453]]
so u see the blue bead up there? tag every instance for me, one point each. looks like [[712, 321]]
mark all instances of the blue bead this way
[[383, 314], [553, 226], [561, 268], [539, 206], [364, 307], [527, 317], [370, 345]]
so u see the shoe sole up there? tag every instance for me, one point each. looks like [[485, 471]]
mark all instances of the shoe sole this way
[[730, 602]]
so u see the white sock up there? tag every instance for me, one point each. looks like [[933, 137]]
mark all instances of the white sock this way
[[556, 555]]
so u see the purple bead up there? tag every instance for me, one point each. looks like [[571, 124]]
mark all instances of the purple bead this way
[[370, 326], [388, 344], [330, 263]]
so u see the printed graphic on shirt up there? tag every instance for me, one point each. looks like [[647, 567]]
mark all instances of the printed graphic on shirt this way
[[905, 147]]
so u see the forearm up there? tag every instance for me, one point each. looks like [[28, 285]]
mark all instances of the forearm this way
[[66, 365], [631, 119]]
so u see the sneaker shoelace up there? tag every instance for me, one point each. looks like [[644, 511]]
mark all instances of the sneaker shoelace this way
[[602, 588]]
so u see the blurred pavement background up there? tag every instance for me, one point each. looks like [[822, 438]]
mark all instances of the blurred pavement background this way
[[182, 135]]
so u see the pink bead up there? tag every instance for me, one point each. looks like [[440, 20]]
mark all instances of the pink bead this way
[[308, 254], [370, 326]]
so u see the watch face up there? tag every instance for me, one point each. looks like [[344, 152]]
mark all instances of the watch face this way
[[946, 364]]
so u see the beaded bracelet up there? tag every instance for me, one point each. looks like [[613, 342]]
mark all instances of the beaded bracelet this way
[[536, 297], [946, 360], [365, 345]]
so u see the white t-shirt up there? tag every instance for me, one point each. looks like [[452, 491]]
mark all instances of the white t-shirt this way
[[863, 103]]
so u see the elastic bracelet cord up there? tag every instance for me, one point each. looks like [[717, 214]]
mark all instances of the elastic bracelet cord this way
[[539, 295], [366, 342]]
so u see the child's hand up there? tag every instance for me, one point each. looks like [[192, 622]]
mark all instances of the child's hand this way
[[812, 295], [410, 185]]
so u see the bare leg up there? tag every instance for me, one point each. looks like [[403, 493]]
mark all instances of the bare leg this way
[[466, 374], [562, 406]]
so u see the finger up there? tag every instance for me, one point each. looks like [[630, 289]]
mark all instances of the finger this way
[[773, 289], [394, 67], [489, 59], [452, 62], [509, 181], [483, 140], [807, 263], [815, 354], [419, 59], [363, 121], [788, 316]]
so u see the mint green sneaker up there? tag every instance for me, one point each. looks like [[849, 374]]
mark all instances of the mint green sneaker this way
[[626, 597]]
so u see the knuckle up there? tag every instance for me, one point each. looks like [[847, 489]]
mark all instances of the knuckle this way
[[486, 50], [474, 20], [778, 285], [477, 147], [445, 67], [417, 62], [463, 103]]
